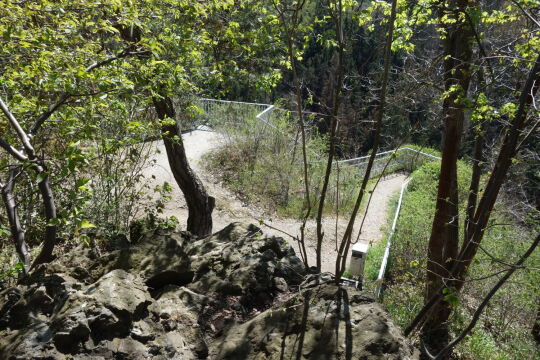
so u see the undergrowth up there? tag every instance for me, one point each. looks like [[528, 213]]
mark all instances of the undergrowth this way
[[263, 164], [504, 331]]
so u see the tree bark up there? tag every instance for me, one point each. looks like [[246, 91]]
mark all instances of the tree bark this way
[[483, 211], [17, 231], [341, 260], [200, 204], [338, 20], [45, 190], [475, 178], [508, 150], [444, 238], [536, 327]]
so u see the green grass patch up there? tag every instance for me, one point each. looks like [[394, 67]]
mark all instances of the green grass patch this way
[[504, 329]]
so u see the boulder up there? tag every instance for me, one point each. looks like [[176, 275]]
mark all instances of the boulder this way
[[238, 261], [320, 322], [233, 295]]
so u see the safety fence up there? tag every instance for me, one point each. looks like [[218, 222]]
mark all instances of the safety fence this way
[[278, 128], [269, 121], [384, 261]]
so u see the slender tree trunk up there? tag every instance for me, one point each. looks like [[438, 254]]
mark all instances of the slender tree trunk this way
[[200, 204], [504, 161], [444, 239], [477, 226], [17, 231], [299, 108], [343, 250], [338, 21], [47, 196], [475, 178], [536, 327]]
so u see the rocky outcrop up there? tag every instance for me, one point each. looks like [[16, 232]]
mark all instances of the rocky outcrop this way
[[320, 322], [232, 295]]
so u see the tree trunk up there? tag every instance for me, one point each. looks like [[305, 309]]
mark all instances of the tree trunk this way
[[44, 186], [508, 150], [475, 178], [338, 20], [444, 239], [536, 327], [341, 260], [200, 204], [478, 224], [17, 231]]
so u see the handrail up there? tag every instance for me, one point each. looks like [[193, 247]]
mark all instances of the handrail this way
[[235, 102], [389, 152], [384, 262], [382, 271]]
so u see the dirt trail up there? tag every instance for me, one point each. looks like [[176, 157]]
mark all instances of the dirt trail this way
[[230, 209]]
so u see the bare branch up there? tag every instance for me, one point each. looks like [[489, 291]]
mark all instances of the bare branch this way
[[492, 292], [526, 13]]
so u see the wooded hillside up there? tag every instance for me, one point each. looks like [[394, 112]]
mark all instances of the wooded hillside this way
[[409, 129]]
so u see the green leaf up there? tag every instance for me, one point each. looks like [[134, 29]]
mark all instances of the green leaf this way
[[85, 224]]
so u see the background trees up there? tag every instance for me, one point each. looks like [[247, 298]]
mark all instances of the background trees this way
[[83, 83]]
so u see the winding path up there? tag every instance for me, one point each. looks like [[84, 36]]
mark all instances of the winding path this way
[[230, 209]]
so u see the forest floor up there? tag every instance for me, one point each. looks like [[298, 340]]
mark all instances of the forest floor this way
[[231, 209]]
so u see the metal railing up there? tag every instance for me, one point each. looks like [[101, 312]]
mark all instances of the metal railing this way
[[218, 112], [384, 262]]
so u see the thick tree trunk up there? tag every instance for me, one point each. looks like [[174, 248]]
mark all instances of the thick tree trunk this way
[[17, 231], [478, 224], [200, 204], [444, 239]]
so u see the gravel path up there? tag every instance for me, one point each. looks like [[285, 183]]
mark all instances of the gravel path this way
[[230, 209]]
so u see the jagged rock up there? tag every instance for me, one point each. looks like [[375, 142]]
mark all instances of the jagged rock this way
[[172, 296], [238, 261], [321, 322]]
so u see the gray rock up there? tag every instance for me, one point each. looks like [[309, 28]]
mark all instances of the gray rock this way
[[280, 284], [238, 261], [171, 296], [323, 322]]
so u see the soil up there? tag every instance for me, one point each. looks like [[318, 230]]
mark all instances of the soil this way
[[230, 209]]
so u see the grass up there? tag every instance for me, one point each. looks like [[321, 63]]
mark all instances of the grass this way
[[263, 164], [504, 329]]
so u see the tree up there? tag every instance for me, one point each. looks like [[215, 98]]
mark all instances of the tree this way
[[200, 204], [443, 242], [452, 260], [336, 11]]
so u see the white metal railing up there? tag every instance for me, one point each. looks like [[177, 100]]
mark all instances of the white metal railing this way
[[263, 115], [384, 262]]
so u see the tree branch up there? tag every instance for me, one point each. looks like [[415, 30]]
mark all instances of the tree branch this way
[[526, 13], [63, 99], [18, 129], [12, 151], [492, 292]]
